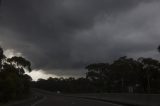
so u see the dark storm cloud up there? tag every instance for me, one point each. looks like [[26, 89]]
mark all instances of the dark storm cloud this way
[[69, 34]]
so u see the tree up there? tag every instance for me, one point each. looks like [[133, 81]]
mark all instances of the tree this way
[[124, 73], [98, 75], [14, 83], [158, 48], [96, 71], [20, 63], [150, 72]]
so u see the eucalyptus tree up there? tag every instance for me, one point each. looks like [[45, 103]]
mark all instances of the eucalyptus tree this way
[[158, 48], [150, 73], [124, 73], [14, 83], [96, 71]]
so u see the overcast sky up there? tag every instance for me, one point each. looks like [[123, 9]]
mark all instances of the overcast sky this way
[[61, 37]]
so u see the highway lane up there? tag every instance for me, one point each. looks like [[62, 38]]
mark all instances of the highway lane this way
[[60, 100]]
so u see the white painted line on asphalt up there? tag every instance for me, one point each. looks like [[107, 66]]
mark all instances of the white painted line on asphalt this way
[[41, 100]]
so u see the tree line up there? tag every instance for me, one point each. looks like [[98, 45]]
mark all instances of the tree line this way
[[14, 83], [125, 74]]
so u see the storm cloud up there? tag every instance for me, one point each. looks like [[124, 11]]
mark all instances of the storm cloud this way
[[63, 36]]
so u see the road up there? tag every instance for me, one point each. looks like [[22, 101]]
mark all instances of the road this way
[[60, 100]]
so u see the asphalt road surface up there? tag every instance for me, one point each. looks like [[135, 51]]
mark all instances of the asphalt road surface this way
[[60, 100]]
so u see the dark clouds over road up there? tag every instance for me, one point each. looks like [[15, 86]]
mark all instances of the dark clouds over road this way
[[63, 35]]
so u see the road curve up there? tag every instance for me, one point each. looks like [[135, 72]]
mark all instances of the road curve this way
[[60, 100]]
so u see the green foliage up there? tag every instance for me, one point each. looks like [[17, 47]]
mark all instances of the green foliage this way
[[14, 83]]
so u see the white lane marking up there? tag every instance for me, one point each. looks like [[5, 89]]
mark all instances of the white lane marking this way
[[44, 98]]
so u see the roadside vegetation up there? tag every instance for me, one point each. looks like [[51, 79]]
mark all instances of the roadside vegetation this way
[[14, 83], [125, 75]]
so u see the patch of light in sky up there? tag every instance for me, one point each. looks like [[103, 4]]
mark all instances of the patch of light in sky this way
[[37, 74], [11, 52]]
